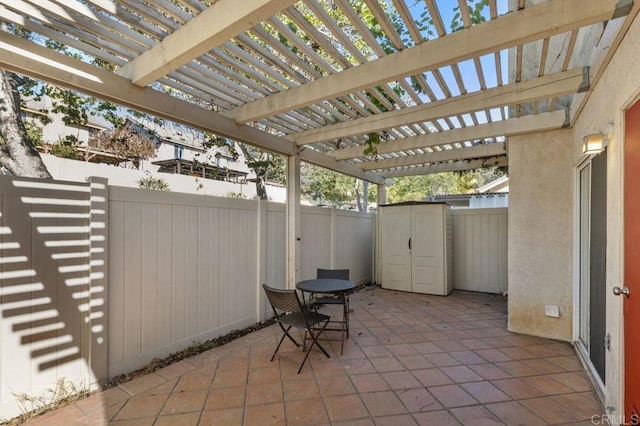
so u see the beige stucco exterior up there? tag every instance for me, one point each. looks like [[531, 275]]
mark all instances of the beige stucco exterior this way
[[540, 233], [542, 221]]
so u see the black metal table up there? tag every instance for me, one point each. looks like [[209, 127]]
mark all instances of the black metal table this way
[[331, 286], [325, 286]]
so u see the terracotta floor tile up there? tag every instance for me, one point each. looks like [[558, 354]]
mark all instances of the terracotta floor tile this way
[[359, 366], [583, 406], [265, 394], [400, 380], [426, 348], [516, 388], [568, 362], [413, 337], [516, 368], [550, 410], [517, 353], [461, 374], [419, 399], [514, 413], [450, 346], [224, 379], [223, 398], [260, 376], [307, 412], [185, 402], [369, 383], [234, 363], [142, 406], [142, 383], [377, 351], [227, 417], [493, 355], [269, 414], [332, 386], [414, 362], [436, 418], [485, 392], [163, 389], [402, 349], [382, 403], [304, 389], [401, 420], [432, 377], [194, 382], [387, 364], [141, 421], [477, 416], [185, 419], [441, 360], [452, 396], [489, 371], [546, 385], [345, 407], [176, 370], [575, 380], [474, 344], [542, 366]]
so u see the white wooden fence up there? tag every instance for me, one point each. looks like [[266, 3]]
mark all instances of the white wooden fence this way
[[480, 249], [181, 268]]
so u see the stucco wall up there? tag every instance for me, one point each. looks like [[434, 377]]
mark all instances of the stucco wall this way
[[540, 233]]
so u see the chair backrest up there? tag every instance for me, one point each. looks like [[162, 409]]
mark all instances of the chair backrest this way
[[340, 274], [282, 300]]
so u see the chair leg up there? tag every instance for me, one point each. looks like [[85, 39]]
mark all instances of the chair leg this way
[[286, 334], [314, 338]]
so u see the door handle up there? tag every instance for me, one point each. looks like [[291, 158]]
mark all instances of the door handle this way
[[618, 291], [409, 243]]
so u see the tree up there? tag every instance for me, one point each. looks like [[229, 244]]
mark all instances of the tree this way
[[125, 143], [18, 155], [416, 188]]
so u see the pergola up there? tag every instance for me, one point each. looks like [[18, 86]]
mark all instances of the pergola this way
[[320, 80]]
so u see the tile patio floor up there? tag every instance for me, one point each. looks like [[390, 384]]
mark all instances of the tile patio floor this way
[[411, 359]]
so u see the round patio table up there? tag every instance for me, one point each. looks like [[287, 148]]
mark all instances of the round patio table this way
[[325, 286]]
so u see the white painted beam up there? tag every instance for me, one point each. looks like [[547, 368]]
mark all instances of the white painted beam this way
[[533, 23], [512, 126], [557, 84], [24, 57], [453, 166], [222, 21], [478, 151]]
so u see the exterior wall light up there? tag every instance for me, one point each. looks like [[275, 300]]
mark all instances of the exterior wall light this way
[[597, 142]]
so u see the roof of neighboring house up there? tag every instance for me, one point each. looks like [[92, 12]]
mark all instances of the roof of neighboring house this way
[[499, 185]]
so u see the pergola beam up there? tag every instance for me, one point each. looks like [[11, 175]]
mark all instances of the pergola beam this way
[[23, 57], [454, 166], [561, 83], [472, 152], [512, 126], [216, 25], [533, 23]]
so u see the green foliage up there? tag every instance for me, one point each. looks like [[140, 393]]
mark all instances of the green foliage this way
[[416, 188], [34, 131], [372, 142], [236, 195], [66, 148], [324, 186], [155, 183]]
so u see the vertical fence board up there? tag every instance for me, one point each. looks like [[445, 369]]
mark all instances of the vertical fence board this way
[[480, 249], [150, 278], [165, 274], [133, 274]]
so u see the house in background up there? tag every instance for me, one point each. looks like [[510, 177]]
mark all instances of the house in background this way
[[490, 195]]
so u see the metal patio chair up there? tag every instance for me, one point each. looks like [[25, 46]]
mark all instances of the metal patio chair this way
[[340, 299], [291, 314]]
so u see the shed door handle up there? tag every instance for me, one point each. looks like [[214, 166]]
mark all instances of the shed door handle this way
[[409, 243]]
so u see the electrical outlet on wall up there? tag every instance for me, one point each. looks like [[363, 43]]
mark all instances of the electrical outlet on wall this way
[[552, 311]]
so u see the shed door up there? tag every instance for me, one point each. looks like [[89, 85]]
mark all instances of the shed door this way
[[428, 250], [395, 232]]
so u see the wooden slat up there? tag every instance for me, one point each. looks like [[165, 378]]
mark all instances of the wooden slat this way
[[539, 21], [547, 86], [512, 126], [21, 56], [454, 166], [221, 21], [477, 151]]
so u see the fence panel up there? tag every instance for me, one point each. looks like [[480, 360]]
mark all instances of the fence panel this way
[[182, 269], [46, 309], [355, 233], [480, 249]]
